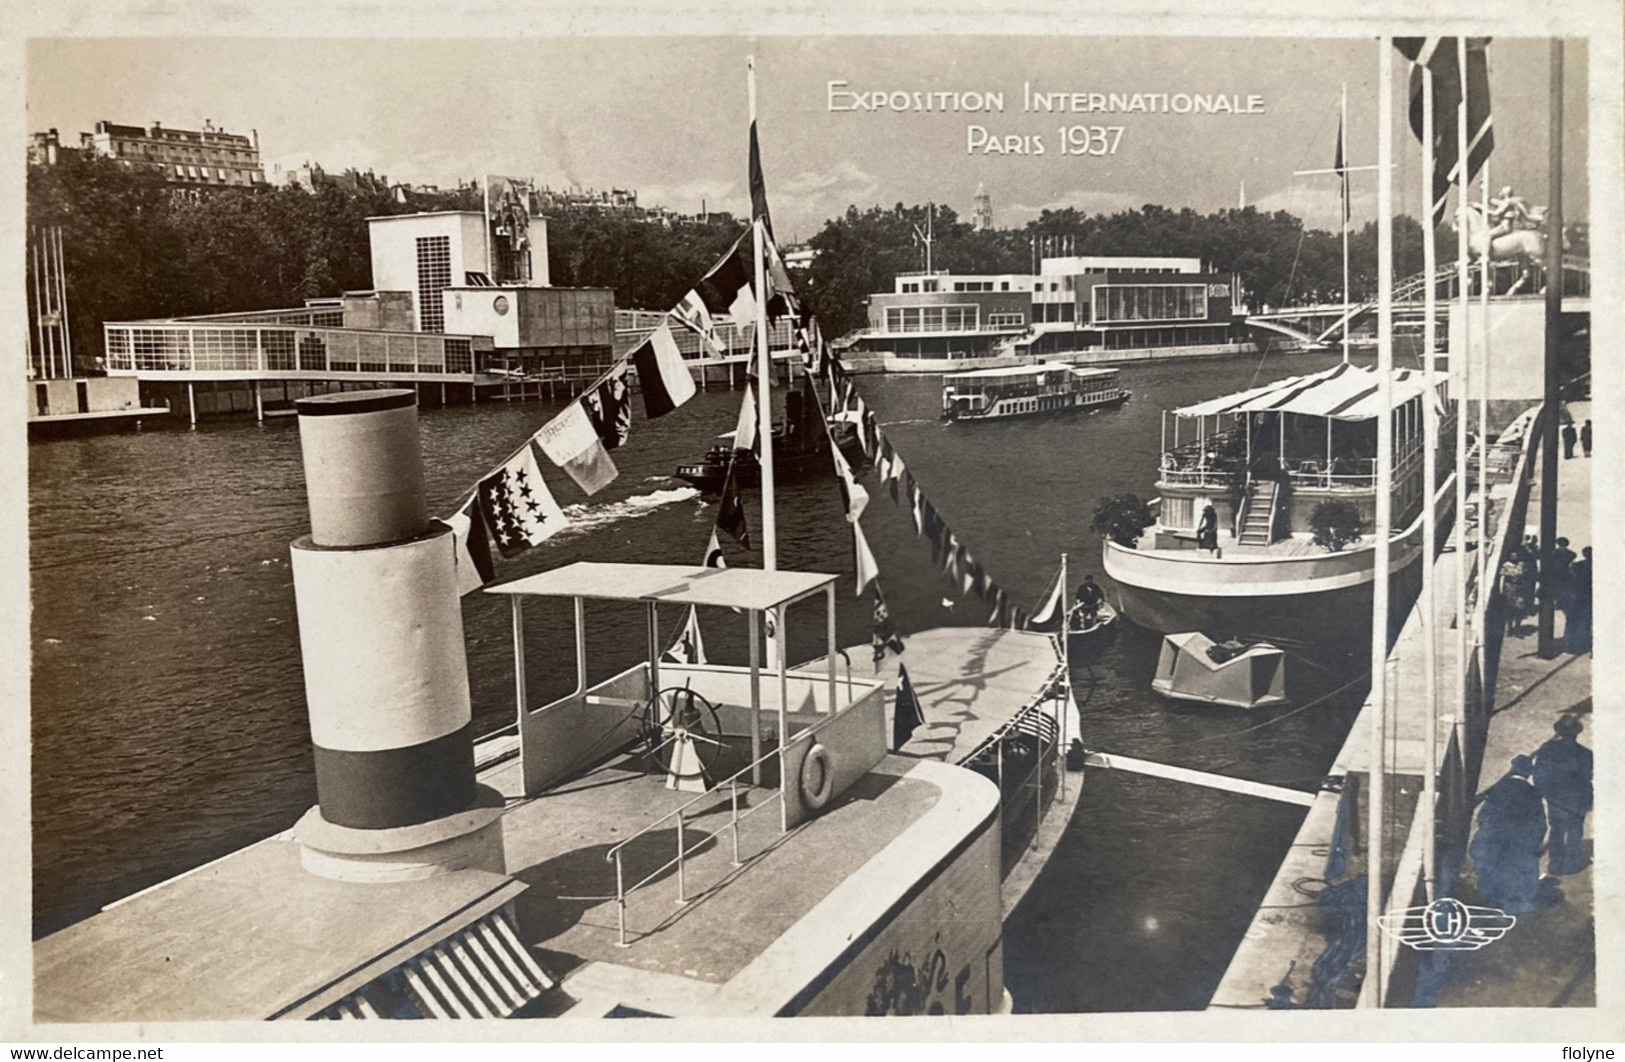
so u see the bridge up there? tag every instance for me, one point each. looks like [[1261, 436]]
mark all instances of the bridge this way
[[1321, 325]]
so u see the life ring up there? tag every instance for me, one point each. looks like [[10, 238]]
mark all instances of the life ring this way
[[817, 765]]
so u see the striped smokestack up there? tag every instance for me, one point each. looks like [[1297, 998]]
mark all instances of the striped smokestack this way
[[381, 633]]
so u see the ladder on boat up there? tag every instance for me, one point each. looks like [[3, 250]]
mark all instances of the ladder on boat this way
[[1257, 524]]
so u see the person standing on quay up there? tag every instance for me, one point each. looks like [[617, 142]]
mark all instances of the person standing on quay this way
[[1585, 438], [1576, 602], [1506, 847], [1570, 437], [1563, 779]]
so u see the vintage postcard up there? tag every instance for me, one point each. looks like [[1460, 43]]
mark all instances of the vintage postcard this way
[[1052, 525]]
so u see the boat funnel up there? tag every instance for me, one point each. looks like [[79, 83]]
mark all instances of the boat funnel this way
[[386, 675]]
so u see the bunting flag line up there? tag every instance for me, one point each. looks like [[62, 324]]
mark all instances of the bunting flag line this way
[[662, 373], [689, 647], [1050, 614], [609, 408], [731, 512], [906, 713], [713, 553], [571, 442], [517, 506], [471, 547]]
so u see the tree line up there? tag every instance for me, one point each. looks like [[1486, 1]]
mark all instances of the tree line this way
[[134, 249]]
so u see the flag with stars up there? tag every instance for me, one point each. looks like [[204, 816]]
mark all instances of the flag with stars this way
[[519, 510]]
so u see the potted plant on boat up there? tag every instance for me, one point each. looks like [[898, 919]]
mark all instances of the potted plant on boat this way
[[1336, 524], [1122, 518]]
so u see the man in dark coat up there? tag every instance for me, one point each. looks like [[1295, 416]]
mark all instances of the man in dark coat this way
[[1585, 438], [1506, 847], [1563, 778], [1090, 599], [1570, 437]]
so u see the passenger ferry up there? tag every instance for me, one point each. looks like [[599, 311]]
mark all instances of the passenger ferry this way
[[1266, 459], [1028, 390], [663, 839]]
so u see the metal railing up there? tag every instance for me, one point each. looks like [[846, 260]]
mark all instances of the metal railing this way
[[178, 347], [622, 890]]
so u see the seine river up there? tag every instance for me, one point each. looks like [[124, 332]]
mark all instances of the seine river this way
[[168, 717]]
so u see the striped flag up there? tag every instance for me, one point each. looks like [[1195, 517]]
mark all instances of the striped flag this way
[[1439, 55], [662, 373]]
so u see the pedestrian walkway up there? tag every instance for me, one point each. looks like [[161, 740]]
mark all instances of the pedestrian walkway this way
[[1548, 959]]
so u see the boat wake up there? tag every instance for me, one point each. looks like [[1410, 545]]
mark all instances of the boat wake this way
[[585, 517]]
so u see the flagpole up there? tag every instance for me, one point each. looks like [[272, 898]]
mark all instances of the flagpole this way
[[1551, 395], [1483, 372], [1371, 987], [1462, 381], [1430, 474], [764, 373], [1066, 665], [1343, 188]]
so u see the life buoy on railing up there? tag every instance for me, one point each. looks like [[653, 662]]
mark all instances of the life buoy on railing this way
[[817, 778]]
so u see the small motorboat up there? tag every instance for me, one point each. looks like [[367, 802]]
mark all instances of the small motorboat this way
[[1078, 627], [1193, 667]]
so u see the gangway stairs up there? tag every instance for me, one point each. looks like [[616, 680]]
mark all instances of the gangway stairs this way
[[1257, 524]]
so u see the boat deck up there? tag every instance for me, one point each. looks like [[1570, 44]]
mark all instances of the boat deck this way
[[970, 681], [556, 844], [1281, 549]]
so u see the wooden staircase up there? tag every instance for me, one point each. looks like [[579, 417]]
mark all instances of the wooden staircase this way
[[1257, 514]]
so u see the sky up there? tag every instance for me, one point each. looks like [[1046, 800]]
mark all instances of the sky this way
[[667, 116]]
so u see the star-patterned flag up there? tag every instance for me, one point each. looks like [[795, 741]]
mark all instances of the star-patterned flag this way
[[518, 508]]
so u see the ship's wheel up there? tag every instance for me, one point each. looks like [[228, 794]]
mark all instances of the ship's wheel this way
[[682, 735]]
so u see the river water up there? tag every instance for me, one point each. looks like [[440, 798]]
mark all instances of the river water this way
[[168, 718]]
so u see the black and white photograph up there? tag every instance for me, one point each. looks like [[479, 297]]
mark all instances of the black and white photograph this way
[[1051, 524]]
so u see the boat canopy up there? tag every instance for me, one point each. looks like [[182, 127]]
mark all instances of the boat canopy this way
[[1343, 392], [1009, 371], [677, 584]]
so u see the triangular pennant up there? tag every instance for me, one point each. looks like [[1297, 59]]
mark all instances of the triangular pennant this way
[[1051, 611], [713, 553], [731, 512], [689, 647], [906, 715]]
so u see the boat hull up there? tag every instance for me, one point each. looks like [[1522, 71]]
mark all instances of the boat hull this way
[[1290, 602], [1040, 409]]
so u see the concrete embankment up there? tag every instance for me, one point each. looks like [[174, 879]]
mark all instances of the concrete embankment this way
[[1497, 698]]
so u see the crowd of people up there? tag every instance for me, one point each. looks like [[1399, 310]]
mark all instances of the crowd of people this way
[[1531, 575], [1542, 801]]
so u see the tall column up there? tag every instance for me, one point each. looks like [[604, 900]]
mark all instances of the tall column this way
[[386, 676]]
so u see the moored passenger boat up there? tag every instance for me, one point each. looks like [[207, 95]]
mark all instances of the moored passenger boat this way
[[1286, 477], [1028, 390]]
